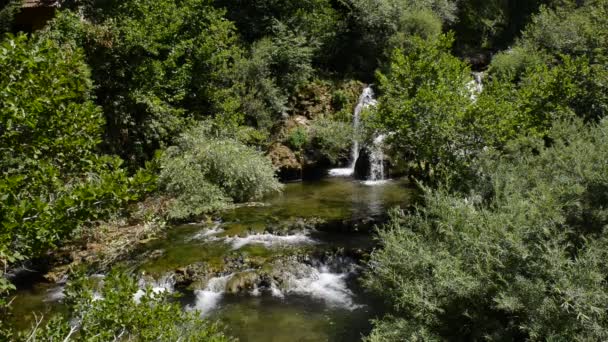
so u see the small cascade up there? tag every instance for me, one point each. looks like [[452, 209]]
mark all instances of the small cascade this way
[[377, 159], [366, 99], [327, 283], [268, 240], [475, 86], [208, 298]]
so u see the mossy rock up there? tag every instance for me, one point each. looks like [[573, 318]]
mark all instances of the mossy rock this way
[[244, 281]]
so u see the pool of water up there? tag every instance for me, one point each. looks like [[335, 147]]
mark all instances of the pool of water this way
[[325, 305]]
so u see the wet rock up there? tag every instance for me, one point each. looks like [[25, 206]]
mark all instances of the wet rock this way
[[194, 273], [363, 165], [243, 281]]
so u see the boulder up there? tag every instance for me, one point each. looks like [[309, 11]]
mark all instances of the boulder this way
[[363, 165], [286, 161], [243, 281]]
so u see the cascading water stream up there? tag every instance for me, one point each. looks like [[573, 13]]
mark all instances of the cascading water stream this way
[[475, 86], [366, 99], [376, 159]]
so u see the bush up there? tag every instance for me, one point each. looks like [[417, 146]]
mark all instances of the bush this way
[[332, 138], [205, 172], [521, 257], [108, 311], [513, 63], [297, 138]]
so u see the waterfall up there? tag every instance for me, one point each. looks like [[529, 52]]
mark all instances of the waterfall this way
[[366, 99], [376, 159], [475, 86]]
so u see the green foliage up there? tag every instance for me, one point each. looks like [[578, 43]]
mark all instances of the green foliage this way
[[513, 63], [314, 20], [332, 138], [521, 257], [154, 63], [108, 311], [423, 103], [542, 95], [570, 30], [52, 182], [8, 10], [298, 138], [207, 171]]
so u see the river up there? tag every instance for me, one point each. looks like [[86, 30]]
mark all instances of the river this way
[[286, 269]]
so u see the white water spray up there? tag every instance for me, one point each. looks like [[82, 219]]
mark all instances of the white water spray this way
[[208, 298], [269, 240], [376, 159], [475, 86], [366, 99]]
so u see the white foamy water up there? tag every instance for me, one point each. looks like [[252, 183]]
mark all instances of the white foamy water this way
[[327, 286], [342, 172], [268, 240], [366, 99], [375, 182], [475, 86], [208, 298], [55, 294], [206, 233], [163, 285], [376, 159]]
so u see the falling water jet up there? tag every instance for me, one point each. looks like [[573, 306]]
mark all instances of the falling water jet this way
[[366, 99]]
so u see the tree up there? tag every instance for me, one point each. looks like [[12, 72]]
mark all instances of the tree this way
[[423, 106], [155, 64], [53, 181]]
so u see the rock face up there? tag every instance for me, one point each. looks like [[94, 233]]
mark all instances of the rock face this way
[[286, 161], [363, 165]]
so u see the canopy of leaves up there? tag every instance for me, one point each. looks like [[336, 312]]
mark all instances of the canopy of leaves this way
[[52, 181], [423, 105], [154, 63]]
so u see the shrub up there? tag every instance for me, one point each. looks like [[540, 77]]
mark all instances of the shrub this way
[[521, 257], [206, 172], [513, 63], [332, 138], [297, 138], [108, 311]]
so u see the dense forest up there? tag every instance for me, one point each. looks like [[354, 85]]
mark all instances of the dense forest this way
[[121, 118]]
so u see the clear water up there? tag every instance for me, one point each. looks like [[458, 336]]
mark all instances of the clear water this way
[[328, 307]]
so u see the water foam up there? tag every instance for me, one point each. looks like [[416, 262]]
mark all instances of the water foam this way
[[268, 240], [209, 232], [341, 172], [208, 298], [165, 284]]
